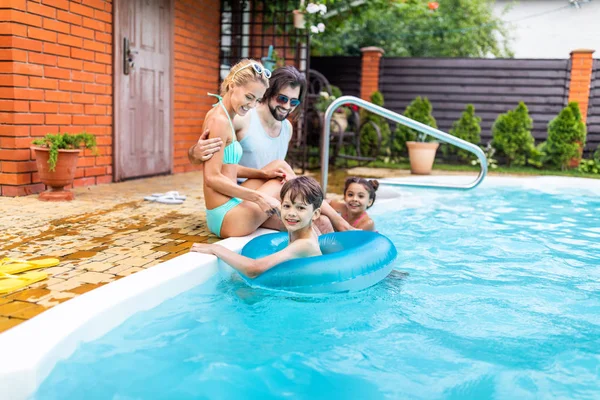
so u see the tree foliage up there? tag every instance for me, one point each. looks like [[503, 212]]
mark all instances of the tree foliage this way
[[467, 128], [566, 136], [410, 28], [512, 137], [368, 134]]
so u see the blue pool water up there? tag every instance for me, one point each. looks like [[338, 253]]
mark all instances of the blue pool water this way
[[496, 294]]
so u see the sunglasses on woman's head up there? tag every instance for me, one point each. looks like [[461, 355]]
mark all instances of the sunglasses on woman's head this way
[[283, 99], [259, 69]]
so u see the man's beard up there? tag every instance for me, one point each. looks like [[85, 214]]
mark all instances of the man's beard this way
[[277, 115]]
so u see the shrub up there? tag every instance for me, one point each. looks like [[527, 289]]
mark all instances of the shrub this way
[[489, 152], [591, 166], [62, 141], [538, 155], [467, 128], [511, 135], [419, 110], [566, 137], [368, 135]]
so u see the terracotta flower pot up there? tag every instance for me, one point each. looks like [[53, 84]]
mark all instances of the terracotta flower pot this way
[[62, 176], [574, 162], [341, 118], [299, 21], [422, 155]]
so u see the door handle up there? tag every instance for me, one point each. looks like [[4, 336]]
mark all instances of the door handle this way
[[128, 57]]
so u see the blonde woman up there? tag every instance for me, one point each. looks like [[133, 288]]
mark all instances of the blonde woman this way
[[232, 209]]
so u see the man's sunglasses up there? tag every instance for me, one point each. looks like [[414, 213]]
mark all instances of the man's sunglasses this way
[[283, 99], [259, 69]]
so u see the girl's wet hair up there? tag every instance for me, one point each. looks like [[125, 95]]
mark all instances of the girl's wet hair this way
[[305, 187], [370, 185], [243, 77]]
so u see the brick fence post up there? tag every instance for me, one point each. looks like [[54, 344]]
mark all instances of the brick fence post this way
[[581, 77], [369, 82]]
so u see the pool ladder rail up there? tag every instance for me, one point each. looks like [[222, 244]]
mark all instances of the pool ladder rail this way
[[400, 119]]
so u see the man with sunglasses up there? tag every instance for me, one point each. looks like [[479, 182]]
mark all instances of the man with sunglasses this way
[[264, 134]]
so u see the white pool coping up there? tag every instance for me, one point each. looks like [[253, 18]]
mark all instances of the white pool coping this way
[[29, 351]]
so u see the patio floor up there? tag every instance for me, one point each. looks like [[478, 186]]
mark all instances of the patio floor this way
[[106, 233]]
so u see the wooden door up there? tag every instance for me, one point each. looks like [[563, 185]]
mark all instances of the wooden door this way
[[143, 127]]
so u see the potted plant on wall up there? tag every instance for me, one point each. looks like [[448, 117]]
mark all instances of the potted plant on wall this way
[[311, 13], [340, 116], [56, 159], [421, 147]]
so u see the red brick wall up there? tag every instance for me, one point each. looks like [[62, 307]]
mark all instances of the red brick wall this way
[[371, 56], [196, 70], [581, 78], [55, 76]]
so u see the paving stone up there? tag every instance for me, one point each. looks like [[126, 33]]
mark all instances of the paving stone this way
[[86, 288], [20, 309], [130, 271], [94, 277], [65, 285], [30, 295], [98, 266], [7, 323]]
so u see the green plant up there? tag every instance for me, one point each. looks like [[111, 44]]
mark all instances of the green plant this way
[[325, 99], [411, 28], [418, 110], [368, 134], [489, 152], [566, 136], [592, 165], [511, 135], [63, 141], [538, 155], [467, 128]]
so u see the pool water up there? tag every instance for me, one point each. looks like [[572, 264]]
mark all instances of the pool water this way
[[495, 294]]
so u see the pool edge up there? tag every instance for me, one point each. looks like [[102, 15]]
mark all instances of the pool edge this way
[[32, 349]]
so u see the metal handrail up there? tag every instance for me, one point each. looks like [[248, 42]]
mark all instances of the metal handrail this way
[[400, 119]]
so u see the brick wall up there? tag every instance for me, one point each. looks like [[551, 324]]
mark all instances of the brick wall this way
[[55, 76], [196, 70]]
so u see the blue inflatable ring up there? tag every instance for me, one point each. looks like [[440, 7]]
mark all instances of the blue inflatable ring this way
[[351, 260]]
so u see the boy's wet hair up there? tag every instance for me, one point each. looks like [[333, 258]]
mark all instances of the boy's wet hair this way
[[370, 185], [306, 187]]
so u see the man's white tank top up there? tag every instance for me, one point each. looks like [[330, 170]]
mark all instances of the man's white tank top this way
[[259, 148]]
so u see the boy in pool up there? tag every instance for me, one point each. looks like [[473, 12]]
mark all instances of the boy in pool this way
[[300, 207]]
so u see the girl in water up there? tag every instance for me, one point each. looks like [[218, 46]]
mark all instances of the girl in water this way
[[359, 195]]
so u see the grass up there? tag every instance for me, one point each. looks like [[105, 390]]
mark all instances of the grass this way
[[469, 168]]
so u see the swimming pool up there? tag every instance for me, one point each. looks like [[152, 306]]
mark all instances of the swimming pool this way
[[496, 294]]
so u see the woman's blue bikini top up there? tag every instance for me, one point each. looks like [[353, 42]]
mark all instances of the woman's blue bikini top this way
[[232, 154]]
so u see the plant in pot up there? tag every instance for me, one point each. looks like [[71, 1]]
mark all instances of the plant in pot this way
[[421, 147], [56, 159], [310, 14], [340, 116]]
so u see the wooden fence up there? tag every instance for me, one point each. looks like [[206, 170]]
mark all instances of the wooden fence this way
[[493, 86], [343, 72]]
